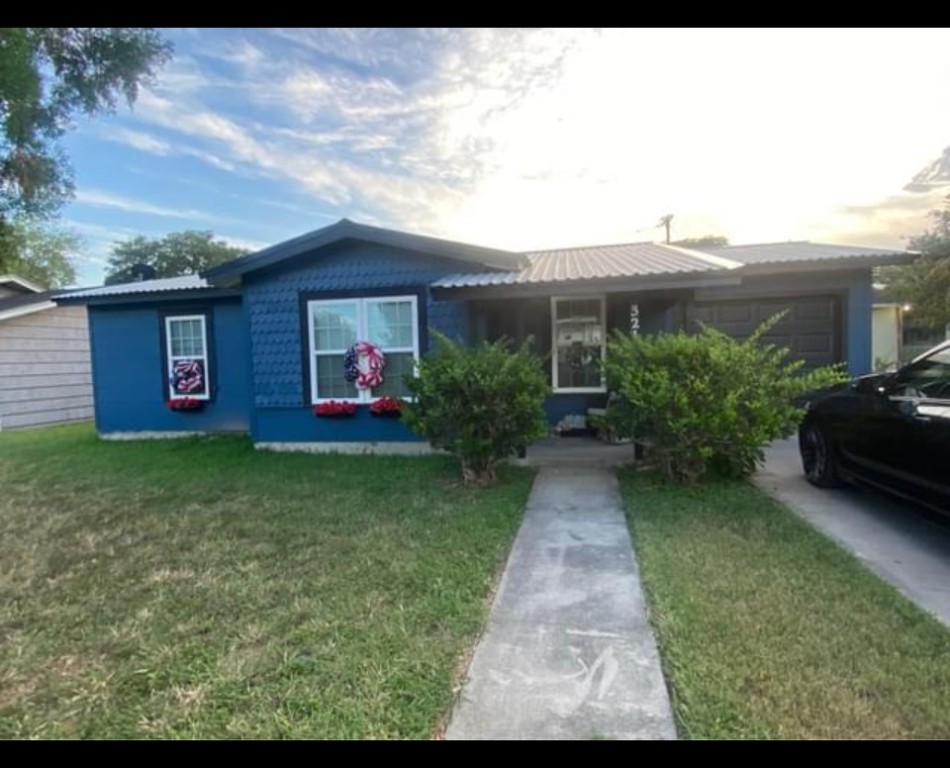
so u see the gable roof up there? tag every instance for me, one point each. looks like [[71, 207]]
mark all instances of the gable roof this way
[[19, 284], [344, 229], [596, 262], [25, 303]]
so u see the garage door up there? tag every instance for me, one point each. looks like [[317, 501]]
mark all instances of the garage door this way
[[811, 329]]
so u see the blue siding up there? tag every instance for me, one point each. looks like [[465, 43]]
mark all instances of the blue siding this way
[[127, 358], [299, 425], [272, 299]]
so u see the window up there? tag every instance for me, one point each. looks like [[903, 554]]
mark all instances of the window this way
[[579, 343], [928, 378], [186, 353], [390, 322]]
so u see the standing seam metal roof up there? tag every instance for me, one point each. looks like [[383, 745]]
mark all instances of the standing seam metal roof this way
[[165, 284], [597, 262]]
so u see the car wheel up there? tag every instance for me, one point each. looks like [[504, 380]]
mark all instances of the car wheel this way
[[819, 457]]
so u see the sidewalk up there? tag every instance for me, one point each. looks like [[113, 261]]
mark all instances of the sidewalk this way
[[568, 652]]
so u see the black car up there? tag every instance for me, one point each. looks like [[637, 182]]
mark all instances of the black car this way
[[887, 430]]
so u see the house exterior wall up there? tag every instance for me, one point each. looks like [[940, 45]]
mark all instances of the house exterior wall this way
[[281, 399], [128, 368], [886, 335], [45, 373]]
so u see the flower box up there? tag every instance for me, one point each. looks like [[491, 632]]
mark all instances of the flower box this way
[[386, 407], [334, 409], [185, 404]]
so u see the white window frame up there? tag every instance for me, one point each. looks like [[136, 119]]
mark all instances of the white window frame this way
[[171, 359], [363, 396], [602, 298]]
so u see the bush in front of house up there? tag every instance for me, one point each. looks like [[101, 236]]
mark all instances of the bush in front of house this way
[[481, 403], [707, 403]]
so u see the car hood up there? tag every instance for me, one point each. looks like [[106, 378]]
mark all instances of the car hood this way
[[855, 384]]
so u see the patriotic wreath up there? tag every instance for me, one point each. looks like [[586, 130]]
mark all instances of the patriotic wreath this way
[[363, 365], [188, 377]]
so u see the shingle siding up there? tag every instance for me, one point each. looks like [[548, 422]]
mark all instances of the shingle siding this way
[[45, 372], [273, 302]]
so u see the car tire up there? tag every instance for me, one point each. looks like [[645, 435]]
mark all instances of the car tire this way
[[819, 457]]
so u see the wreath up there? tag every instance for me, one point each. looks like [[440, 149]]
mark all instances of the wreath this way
[[363, 365], [188, 376]]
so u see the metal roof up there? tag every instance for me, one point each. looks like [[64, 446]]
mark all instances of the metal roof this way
[[597, 262], [163, 285], [648, 259], [801, 250], [345, 229]]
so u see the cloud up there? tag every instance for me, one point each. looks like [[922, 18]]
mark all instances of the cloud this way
[[102, 199], [530, 138]]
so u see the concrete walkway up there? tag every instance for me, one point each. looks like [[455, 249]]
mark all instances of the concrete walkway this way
[[895, 539], [568, 652]]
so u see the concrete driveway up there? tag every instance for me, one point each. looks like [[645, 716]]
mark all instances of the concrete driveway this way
[[899, 542]]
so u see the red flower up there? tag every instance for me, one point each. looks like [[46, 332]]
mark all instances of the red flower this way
[[386, 404], [184, 403], [334, 408]]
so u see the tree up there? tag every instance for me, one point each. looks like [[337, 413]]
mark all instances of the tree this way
[[39, 252], [47, 74], [925, 283], [705, 240], [178, 253]]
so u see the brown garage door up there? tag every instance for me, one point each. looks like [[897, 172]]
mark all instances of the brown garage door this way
[[811, 329]]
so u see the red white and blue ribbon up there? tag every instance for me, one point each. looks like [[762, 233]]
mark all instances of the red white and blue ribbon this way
[[363, 365], [188, 377]]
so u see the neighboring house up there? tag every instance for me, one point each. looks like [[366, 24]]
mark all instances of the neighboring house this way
[[261, 339], [45, 369], [887, 330]]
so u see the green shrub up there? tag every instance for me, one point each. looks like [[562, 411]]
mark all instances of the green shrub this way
[[707, 403], [481, 403]]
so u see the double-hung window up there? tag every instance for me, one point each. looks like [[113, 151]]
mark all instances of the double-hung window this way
[[389, 322], [186, 355]]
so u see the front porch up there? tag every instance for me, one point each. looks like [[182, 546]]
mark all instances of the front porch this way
[[570, 333], [576, 452]]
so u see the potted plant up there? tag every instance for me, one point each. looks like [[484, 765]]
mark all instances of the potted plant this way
[[185, 403], [334, 409], [387, 407]]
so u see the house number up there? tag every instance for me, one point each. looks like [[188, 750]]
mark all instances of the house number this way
[[634, 319]]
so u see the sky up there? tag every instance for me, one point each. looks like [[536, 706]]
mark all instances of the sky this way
[[523, 139]]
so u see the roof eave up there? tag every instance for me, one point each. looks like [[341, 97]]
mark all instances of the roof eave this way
[[150, 297], [826, 264], [631, 284], [29, 286], [26, 309]]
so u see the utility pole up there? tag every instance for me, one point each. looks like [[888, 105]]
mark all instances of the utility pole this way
[[665, 222]]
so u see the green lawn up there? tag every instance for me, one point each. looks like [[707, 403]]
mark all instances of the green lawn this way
[[767, 629], [199, 588]]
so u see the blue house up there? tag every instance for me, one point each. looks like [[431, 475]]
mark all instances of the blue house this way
[[253, 345]]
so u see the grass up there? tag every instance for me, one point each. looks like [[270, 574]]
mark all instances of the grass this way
[[769, 630], [199, 588]]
